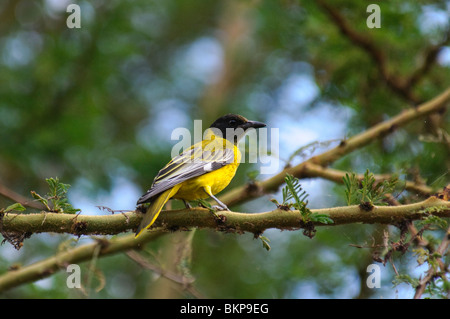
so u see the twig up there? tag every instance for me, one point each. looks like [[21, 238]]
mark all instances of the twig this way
[[432, 272], [184, 281], [331, 174], [428, 61], [10, 194], [180, 279]]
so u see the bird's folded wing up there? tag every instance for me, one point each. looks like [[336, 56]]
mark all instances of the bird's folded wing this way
[[196, 161]]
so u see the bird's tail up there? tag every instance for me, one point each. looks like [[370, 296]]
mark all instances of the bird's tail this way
[[155, 208]]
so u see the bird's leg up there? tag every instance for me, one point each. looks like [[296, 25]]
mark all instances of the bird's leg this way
[[221, 206], [186, 203]]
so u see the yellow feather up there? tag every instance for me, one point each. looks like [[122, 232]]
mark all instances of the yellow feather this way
[[155, 208]]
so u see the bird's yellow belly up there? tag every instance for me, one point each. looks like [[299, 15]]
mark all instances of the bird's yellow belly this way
[[219, 179]]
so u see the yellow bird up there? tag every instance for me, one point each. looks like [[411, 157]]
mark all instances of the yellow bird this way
[[201, 171]]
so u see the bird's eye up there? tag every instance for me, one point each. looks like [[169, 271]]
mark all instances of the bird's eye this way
[[232, 122]]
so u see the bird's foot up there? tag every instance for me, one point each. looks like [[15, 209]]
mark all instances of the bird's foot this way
[[218, 207], [187, 204]]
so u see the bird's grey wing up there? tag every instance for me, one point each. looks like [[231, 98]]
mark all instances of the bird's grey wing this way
[[189, 164]]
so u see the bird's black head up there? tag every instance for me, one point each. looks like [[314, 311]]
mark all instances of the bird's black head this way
[[236, 124]]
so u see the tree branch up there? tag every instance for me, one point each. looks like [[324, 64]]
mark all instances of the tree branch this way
[[433, 272], [429, 60], [331, 174], [186, 283], [47, 267], [250, 191], [199, 217], [202, 218], [229, 221], [8, 193], [395, 83]]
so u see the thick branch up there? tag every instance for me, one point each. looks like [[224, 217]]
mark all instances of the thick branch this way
[[202, 218], [230, 221]]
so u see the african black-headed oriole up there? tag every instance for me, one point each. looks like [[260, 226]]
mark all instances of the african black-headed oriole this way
[[201, 171]]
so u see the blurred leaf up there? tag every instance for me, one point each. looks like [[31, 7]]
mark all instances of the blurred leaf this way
[[17, 207]]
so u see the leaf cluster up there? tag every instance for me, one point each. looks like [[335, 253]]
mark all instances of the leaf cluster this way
[[293, 191], [405, 278], [367, 191], [56, 199], [432, 219], [438, 286]]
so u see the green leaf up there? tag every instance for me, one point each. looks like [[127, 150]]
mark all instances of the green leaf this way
[[41, 199], [403, 278], [205, 204], [366, 187], [368, 190], [273, 200], [321, 218], [265, 242], [293, 190], [56, 199], [17, 207], [351, 184]]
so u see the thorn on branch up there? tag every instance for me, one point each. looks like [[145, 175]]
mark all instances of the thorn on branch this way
[[112, 211], [308, 229], [366, 206], [79, 228], [15, 238]]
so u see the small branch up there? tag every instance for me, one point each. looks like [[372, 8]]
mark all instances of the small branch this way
[[432, 273], [185, 282], [428, 61], [313, 170], [15, 197], [47, 267], [177, 278]]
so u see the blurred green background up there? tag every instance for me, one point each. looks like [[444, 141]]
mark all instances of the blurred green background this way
[[96, 106]]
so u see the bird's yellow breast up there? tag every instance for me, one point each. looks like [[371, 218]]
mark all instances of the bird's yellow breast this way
[[192, 189]]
